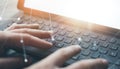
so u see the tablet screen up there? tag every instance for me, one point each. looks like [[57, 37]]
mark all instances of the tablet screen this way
[[103, 12]]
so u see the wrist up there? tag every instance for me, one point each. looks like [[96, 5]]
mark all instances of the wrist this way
[[3, 39]]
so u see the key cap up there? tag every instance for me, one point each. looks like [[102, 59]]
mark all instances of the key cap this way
[[70, 35], [113, 54], [62, 33], [95, 55], [53, 49], [85, 46], [60, 45], [114, 67], [55, 25], [86, 39], [85, 52], [86, 33], [118, 62], [103, 50], [103, 38], [68, 41], [94, 48], [112, 40], [59, 38], [113, 47]]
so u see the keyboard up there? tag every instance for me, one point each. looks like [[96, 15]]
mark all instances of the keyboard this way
[[94, 44]]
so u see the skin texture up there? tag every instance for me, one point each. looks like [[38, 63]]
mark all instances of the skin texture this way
[[34, 37]]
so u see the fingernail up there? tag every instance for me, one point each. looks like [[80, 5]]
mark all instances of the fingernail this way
[[104, 61], [50, 31], [77, 46]]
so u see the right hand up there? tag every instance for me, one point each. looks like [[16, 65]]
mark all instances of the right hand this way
[[55, 60]]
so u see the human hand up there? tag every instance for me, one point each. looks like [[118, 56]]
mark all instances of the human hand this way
[[30, 33], [55, 60], [10, 38]]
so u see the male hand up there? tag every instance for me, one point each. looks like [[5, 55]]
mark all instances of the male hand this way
[[55, 60]]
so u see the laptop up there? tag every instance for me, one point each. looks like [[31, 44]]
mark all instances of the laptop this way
[[92, 24]]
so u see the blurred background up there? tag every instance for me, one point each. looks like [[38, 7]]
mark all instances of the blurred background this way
[[8, 8]]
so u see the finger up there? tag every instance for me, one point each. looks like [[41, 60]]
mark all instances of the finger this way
[[60, 56], [34, 32], [89, 64], [29, 40], [13, 63], [18, 26]]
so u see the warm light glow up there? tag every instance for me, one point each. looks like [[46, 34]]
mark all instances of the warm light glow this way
[[104, 12]]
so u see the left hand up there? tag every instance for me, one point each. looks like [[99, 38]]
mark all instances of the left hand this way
[[31, 36]]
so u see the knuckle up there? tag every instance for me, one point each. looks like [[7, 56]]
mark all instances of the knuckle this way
[[25, 30], [14, 26]]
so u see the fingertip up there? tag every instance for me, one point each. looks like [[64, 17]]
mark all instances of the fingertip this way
[[104, 61], [51, 32], [36, 25], [50, 44], [77, 47]]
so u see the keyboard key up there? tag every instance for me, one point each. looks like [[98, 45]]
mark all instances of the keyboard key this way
[[113, 67], [77, 32], [104, 44], [118, 63], [60, 45], [103, 38], [95, 36], [85, 52], [62, 33], [68, 41], [69, 29], [113, 54], [94, 48], [53, 49], [40, 21], [59, 38], [112, 40], [62, 27], [82, 57], [70, 35], [95, 42], [26, 18], [103, 50], [85, 46], [86, 33], [86, 39], [47, 24], [76, 42], [55, 25], [113, 47], [34, 19], [95, 55]]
